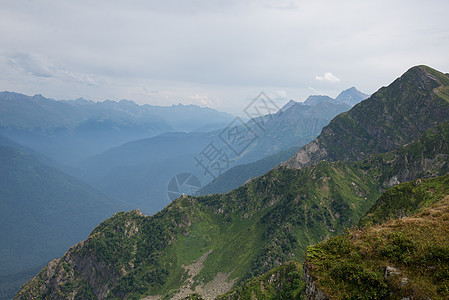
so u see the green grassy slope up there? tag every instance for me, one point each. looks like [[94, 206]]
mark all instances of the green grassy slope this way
[[405, 199], [283, 282], [249, 231], [417, 247]]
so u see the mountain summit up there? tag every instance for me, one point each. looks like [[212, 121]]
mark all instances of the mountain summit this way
[[391, 117], [350, 97]]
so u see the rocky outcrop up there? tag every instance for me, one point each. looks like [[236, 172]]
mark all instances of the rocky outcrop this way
[[312, 290], [62, 273], [308, 155]]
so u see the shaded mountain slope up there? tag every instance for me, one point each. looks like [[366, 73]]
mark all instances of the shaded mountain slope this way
[[43, 211], [426, 157], [146, 151], [41, 157], [295, 126]]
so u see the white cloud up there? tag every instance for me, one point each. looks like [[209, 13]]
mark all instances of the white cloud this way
[[328, 76]]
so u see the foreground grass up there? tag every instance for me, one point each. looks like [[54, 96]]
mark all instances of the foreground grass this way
[[415, 249]]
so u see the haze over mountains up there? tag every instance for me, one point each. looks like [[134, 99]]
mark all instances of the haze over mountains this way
[[141, 169], [143, 151], [70, 131], [211, 244], [307, 118], [37, 192], [43, 211]]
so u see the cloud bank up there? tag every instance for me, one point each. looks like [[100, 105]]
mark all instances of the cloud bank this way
[[210, 52]]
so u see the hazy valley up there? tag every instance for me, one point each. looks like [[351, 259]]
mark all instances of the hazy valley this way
[[316, 170]]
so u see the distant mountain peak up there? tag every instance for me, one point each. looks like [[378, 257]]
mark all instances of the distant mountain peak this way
[[288, 105], [39, 97], [351, 96]]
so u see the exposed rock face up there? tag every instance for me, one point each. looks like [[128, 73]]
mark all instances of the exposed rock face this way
[[307, 156], [312, 291], [60, 272], [390, 118]]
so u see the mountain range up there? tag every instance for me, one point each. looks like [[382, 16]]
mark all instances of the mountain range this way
[[311, 115], [121, 147], [350, 97], [203, 247], [141, 170], [56, 202], [70, 131], [412, 104]]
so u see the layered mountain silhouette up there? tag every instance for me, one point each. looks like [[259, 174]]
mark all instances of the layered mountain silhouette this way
[[43, 211], [140, 170], [204, 246], [70, 131]]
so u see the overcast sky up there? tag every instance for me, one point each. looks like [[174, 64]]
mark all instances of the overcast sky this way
[[215, 53]]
